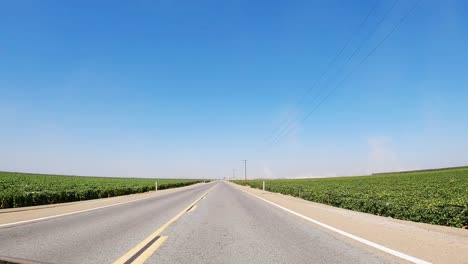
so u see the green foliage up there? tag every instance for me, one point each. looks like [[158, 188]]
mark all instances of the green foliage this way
[[435, 197], [23, 189]]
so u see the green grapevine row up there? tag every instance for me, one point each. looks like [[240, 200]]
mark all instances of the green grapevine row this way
[[22, 189], [436, 197]]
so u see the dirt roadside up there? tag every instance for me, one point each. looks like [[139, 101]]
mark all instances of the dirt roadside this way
[[12, 215], [436, 244]]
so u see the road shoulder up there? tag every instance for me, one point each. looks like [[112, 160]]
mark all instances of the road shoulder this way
[[437, 244], [30, 213]]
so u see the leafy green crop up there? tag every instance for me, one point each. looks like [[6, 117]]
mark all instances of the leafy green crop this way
[[23, 189], [436, 197]]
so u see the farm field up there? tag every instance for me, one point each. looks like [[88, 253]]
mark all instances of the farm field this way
[[24, 189], [434, 196]]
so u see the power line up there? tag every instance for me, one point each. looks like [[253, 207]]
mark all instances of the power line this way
[[331, 62], [356, 51], [286, 129], [357, 66]]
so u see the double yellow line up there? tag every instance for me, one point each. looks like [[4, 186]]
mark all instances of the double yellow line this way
[[143, 250]]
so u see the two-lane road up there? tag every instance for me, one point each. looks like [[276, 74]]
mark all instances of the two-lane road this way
[[227, 226], [230, 226]]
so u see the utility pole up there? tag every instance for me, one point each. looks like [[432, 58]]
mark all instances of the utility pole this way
[[233, 174], [245, 169]]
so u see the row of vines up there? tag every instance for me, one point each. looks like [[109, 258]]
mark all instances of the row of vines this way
[[22, 189], [435, 197]]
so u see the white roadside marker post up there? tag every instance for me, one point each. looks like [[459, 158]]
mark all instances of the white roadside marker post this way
[[156, 183], [263, 185]]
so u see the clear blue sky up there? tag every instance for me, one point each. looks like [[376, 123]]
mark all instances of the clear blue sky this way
[[189, 88]]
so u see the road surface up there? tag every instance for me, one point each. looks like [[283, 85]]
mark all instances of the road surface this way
[[224, 225]]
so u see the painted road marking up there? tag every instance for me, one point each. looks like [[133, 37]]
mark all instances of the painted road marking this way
[[192, 209], [153, 237], [147, 251], [362, 240], [77, 212]]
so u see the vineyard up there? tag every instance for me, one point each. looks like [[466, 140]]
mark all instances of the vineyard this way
[[23, 189], [435, 197]]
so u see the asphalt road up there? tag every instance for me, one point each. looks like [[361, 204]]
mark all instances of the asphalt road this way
[[99, 236], [227, 226]]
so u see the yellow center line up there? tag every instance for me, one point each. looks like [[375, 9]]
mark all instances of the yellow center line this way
[[151, 237], [192, 209], [150, 251]]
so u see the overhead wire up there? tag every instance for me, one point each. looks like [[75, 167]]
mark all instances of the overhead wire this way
[[330, 64], [293, 122], [332, 91]]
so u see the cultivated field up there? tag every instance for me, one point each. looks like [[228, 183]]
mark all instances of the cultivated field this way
[[23, 189], [436, 196]]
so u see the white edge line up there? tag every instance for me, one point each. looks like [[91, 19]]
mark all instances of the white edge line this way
[[76, 212], [362, 240]]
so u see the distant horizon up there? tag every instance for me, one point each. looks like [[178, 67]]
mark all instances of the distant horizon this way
[[201, 178]]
